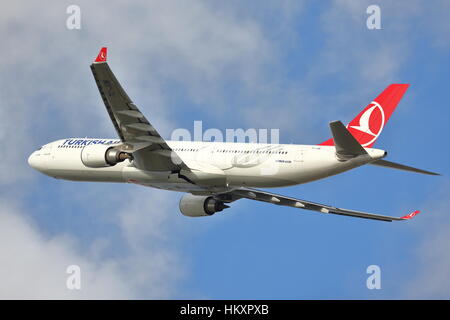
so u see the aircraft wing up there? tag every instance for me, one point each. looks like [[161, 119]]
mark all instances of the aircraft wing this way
[[264, 196], [150, 151]]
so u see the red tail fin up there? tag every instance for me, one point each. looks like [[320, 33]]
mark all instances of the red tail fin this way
[[369, 123]]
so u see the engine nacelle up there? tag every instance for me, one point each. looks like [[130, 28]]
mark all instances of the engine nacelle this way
[[199, 206], [101, 155]]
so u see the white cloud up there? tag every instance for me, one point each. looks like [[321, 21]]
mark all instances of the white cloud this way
[[47, 89], [33, 265], [48, 93], [157, 48], [150, 226]]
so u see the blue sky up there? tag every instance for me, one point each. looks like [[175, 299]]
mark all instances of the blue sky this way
[[289, 65]]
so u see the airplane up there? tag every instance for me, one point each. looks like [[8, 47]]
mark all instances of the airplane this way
[[215, 174]]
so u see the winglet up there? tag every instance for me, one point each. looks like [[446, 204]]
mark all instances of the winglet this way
[[411, 215], [101, 55]]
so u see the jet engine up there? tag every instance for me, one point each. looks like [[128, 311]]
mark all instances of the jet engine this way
[[199, 206], [100, 155]]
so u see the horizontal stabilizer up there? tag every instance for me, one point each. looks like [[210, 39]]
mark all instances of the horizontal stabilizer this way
[[393, 165], [346, 145]]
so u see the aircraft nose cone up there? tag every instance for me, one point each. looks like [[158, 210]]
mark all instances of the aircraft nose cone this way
[[31, 160], [35, 162]]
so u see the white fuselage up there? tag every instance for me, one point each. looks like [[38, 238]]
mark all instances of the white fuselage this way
[[242, 164]]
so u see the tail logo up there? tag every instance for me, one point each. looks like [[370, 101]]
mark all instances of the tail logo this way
[[369, 125]]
